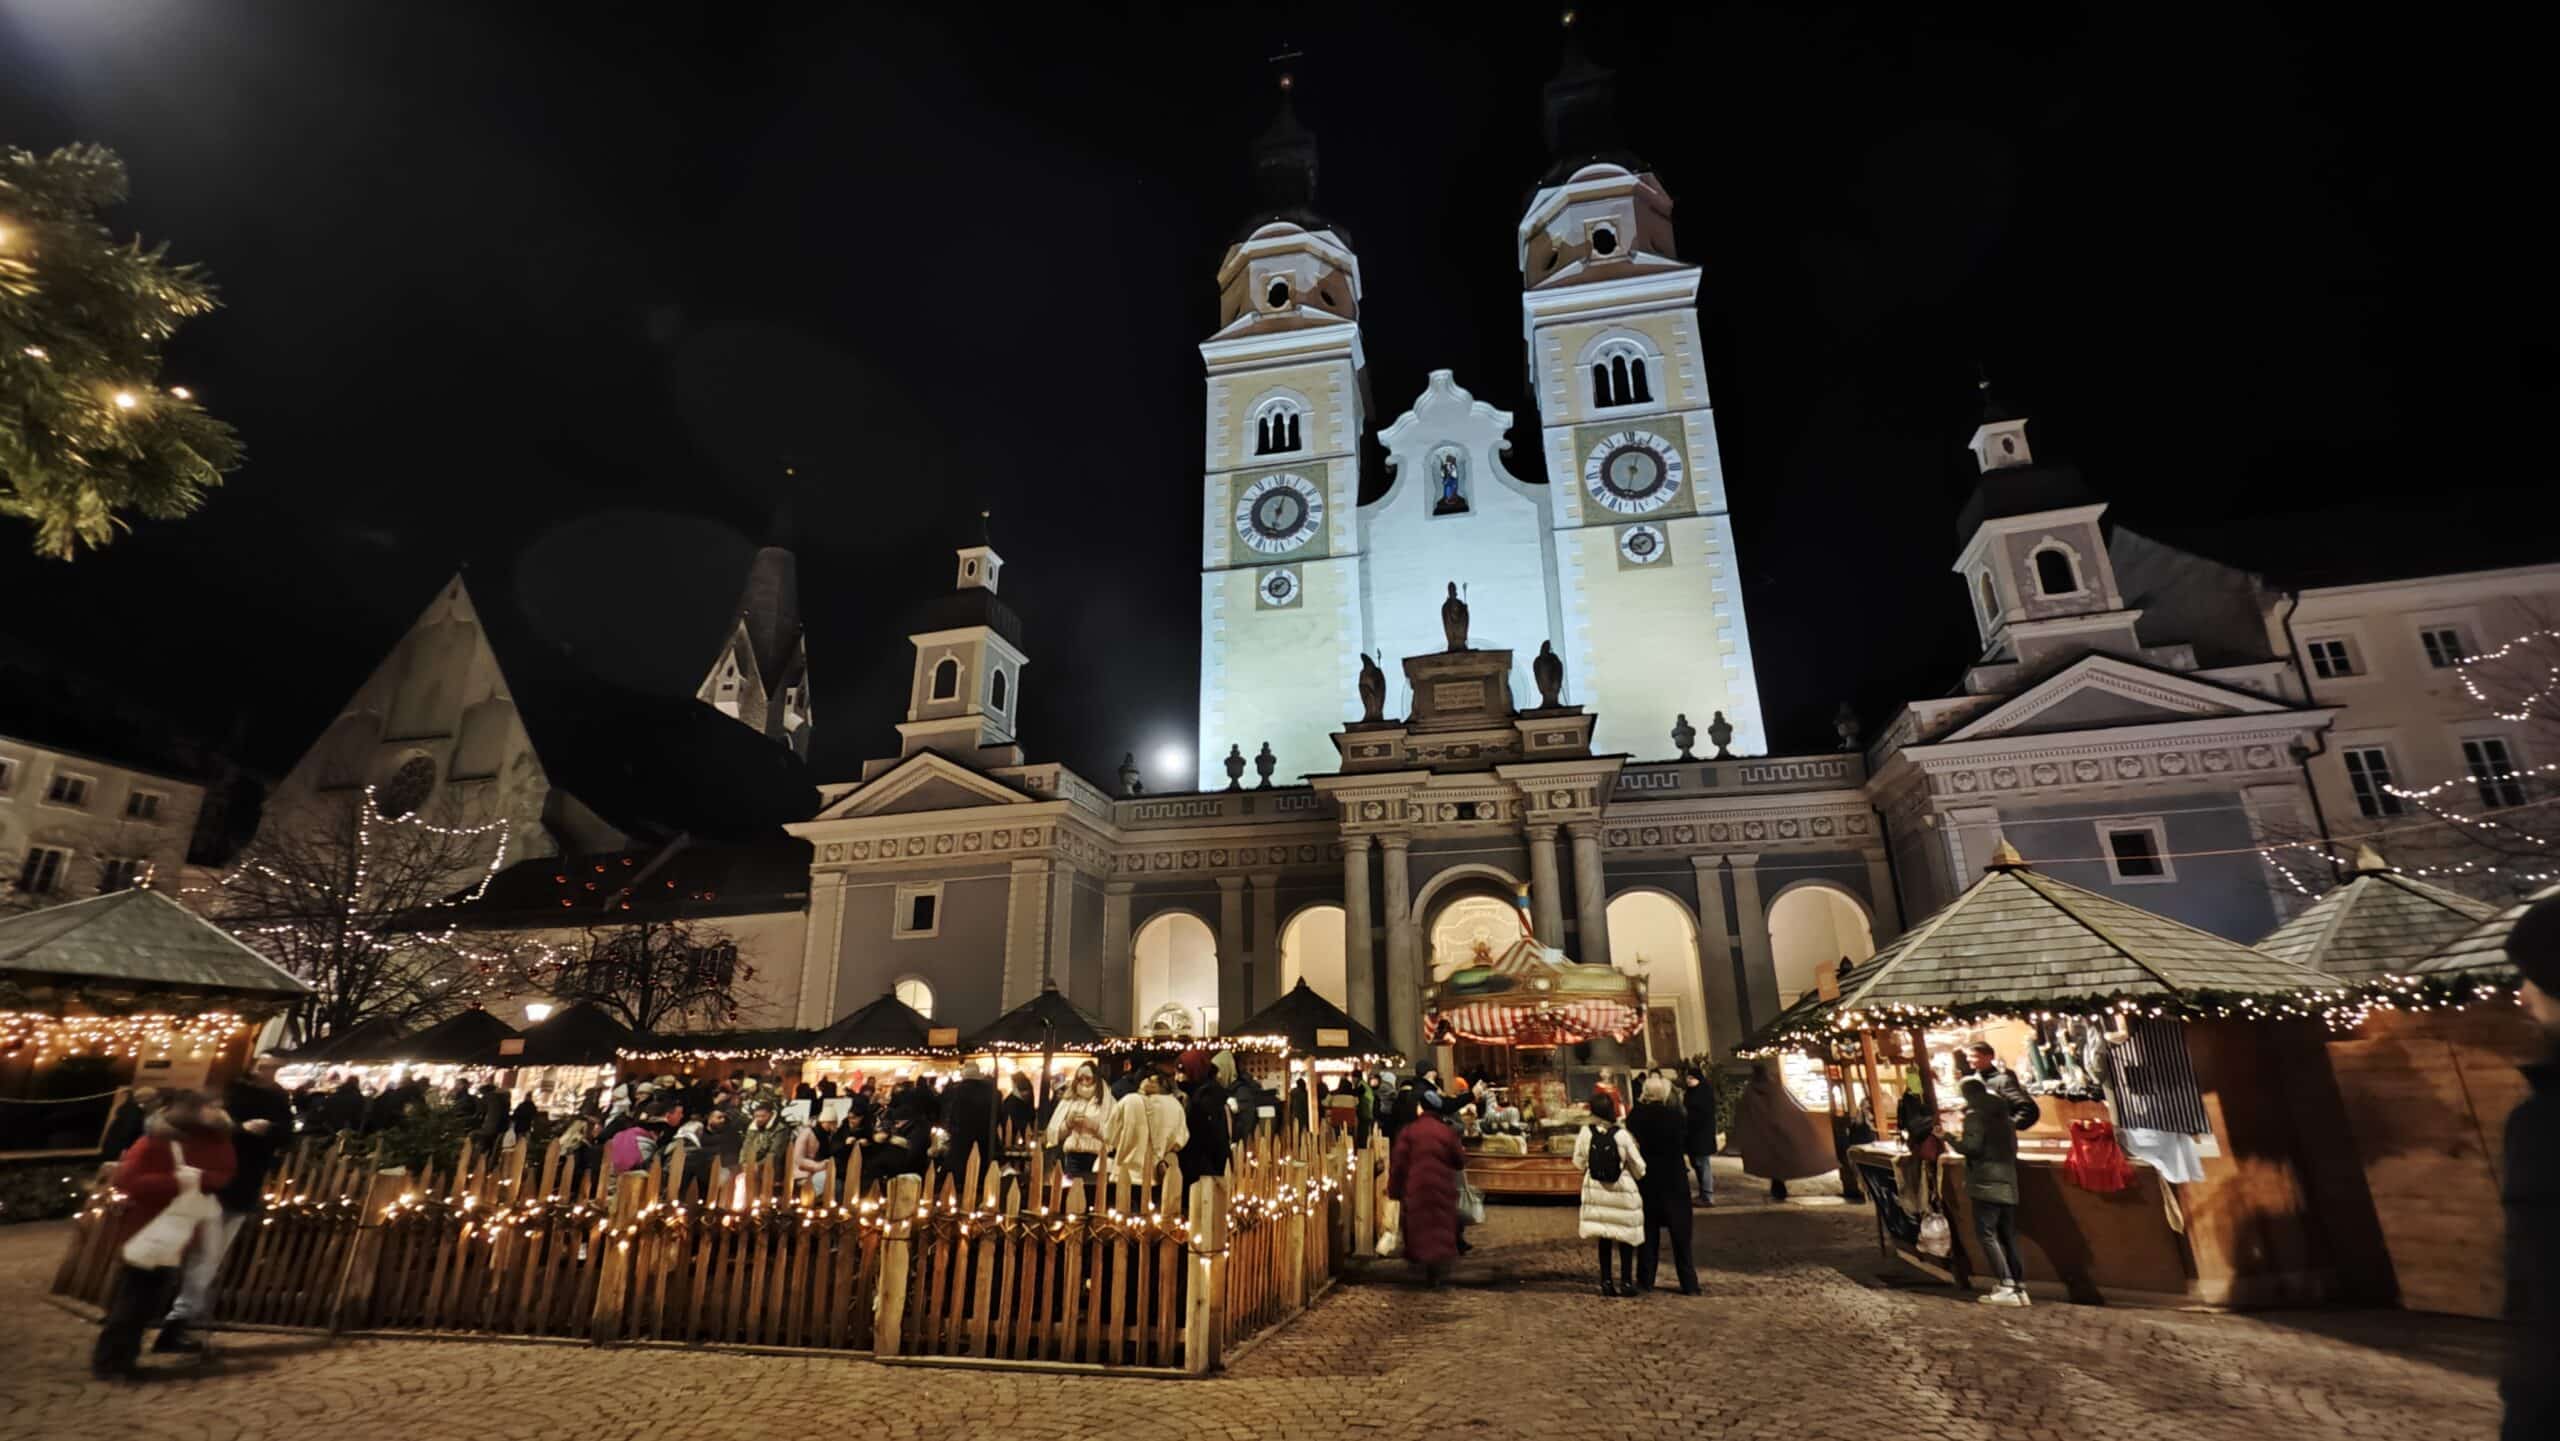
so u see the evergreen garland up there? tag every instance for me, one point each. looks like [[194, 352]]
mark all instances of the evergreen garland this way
[[88, 434]]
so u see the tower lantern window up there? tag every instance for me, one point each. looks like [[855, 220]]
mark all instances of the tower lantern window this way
[[1278, 294]]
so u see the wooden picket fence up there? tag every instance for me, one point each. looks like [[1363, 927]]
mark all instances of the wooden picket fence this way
[[1040, 1272]]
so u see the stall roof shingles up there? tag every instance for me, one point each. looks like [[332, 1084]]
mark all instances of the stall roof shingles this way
[[2483, 947], [1048, 1017], [2378, 923], [141, 939]]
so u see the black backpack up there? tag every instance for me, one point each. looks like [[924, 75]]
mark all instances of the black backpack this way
[[1604, 1164], [2024, 1113]]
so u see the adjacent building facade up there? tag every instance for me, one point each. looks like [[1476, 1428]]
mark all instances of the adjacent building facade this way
[[74, 825]]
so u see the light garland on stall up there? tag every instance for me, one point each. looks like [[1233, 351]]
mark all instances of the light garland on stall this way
[[135, 1036]]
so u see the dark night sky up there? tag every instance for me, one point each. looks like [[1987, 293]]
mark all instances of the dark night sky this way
[[552, 289]]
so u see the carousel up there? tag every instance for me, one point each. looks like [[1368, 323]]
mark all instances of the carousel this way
[[1522, 1026]]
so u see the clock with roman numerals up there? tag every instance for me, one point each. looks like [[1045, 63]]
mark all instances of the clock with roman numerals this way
[[1633, 472], [1279, 513]]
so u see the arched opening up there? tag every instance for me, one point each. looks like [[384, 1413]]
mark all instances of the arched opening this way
[[1471, 930], [1812, 925], [996, 692], [1600, 383], [1651, 935], [1635, 369], [946, 678], [1988, 599], [1311, 950], [1621, 391], [1173, 976], [915, 993], [2055, 574]]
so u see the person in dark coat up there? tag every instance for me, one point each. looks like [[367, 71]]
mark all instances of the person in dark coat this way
[[1017, 1113], [345, 1111], [1699, 1102], [2531, 1193], [1423, 1170], [493, 1119], [1205, 1111], [969, 1117], [1661, 1130], [1990, 1148], [525, 1117], [125, 1126]]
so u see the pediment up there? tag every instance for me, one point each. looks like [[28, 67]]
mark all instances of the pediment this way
[[925, 782], [2104, 692]]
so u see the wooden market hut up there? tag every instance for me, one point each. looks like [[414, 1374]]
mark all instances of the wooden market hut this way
[[122, 989], [887, 1033], [1047, 1025], [465, 1038], [1321, 1037], [2231, 1034], [2428, 1075]]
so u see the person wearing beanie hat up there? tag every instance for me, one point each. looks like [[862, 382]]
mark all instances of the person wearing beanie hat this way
[[2531, 1387]]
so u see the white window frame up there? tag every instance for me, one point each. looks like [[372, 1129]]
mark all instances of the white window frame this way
[[911, 979], [933, 692], [905, 907], [2428, 630], [2070, 559], [998, 681], [1278, 405], [2347, 647], [61, 869], [2152, 826], [140, 794], [141, 868], [8, 774], [2392, 777], [88, 789], [2509, 751]]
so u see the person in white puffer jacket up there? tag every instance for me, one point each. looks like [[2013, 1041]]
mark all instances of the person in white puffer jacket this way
[[1612, 1209]]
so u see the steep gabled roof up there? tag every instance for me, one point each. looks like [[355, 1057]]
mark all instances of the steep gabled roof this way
[[137, 941], [888, 1026], [1047, 1019], [2145, 694], [466, 1038], [2380, 922], [1302, 1016], [582, 1035]]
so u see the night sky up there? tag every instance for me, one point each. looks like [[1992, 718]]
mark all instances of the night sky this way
[[556, 290]]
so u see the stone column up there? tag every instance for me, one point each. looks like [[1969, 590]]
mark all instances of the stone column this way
[[1881, 899], [1118, 1001], [1590, 894], [1404, 988], [1546, 885], [1235, 998], [1757, 981], [1266, 940], [1359, 965], [1717, 966]]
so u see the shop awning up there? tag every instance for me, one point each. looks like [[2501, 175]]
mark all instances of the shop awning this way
[[1047, 1021], [134, 950], [1532, 995], [886, 1027], [2018, 941], [582, 1035], [1317, 1029], [2481, 951], [466, 1038], [2378, 923]]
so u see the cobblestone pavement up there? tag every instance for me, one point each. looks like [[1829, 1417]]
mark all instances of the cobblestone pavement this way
[[1798, 1337]]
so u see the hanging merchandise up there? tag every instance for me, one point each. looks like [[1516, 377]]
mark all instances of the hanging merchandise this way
[[2153, 1081], [1936, 1238], [2096, 1162], [2172, 1153]]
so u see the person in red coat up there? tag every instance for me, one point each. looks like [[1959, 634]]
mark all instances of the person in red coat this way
[[150, 1176], [1422, 1177]]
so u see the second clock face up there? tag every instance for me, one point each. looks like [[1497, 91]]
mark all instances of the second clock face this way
[[1633, 472], [1279, 513]]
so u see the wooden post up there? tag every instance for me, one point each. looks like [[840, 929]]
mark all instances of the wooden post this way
[[1875, 1092], [613, 1280], [1293, 1244], [897, 1252], [1364, 1203], [356, 1280], [1200, 1338]]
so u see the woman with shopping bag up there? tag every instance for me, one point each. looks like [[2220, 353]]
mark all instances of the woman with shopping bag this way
[[168, 1179], [1425, 1171]]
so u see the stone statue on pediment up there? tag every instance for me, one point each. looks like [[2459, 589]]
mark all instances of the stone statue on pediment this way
[[1373, 690], [1548, 671], [1453, 619]]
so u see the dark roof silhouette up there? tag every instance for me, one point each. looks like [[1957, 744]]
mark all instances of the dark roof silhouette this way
[[371, 1040], [1047, 1019], [648, 884], [887, 1026], [1302, 1013], [467, 1038], [582, 1035]]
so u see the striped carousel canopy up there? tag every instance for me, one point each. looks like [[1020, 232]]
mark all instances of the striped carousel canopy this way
[[1530, 995]]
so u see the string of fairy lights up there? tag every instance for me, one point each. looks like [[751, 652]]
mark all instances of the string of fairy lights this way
[[129, 1037]]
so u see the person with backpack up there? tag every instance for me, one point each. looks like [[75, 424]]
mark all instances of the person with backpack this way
[[1612, 1203], [1990, 1149]]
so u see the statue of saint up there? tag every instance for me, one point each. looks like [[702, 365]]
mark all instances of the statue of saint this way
[[1548, 671], [1373, 690], [1453, 499], [1453, 619]]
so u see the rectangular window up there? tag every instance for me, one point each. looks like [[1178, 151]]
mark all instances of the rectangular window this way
[[40, 874], [2136, 851], [118, 873], [2330, 659], [2444, 646], [919, 911], [143, 805], [67, 789], [8, 775], [2369, 772], [2493, 770]]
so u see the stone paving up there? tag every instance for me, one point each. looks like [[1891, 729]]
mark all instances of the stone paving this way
[[1799, 1338]]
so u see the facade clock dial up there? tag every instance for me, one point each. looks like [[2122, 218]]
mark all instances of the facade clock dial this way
[[1280, 588], [1642, 544], [1279, 513], [1633, 472]]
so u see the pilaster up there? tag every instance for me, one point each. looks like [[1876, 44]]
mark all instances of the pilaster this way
[[1718, 966], [1757, 980], [821, 950], [1116, 956], [1359, 962], [1235, 995], [1265, 968], [1590, 894], [1026, 932]]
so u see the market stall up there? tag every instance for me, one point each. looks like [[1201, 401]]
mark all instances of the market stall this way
[[2183, 1092], [121, 990], [879, 1043], [561, 1059], [1323, 1041], [1045, 1037], [1520, 1020]]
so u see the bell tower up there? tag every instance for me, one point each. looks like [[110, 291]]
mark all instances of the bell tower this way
[[1649, 590], [967, 687], [1280, 535]]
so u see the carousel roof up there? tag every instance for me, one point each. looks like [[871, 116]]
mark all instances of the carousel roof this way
[[1303, 1016], [1531, 994], [2379, 922], [1047, 1019], [2484, 946], [888, 1026], [2016, 938], [467, 1038], [582, 1035], [137, 941]]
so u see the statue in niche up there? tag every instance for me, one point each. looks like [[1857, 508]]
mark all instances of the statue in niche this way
[[1130, 785], [1450, 473], [1373, 690], [1684, 735], [1264, 763], [1720, 734], [1453, 619], [1846, 723], [1235, 768], [1548, 671]]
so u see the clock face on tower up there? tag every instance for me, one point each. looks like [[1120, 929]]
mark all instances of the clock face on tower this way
[[1279, 513], [1633, 472]]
